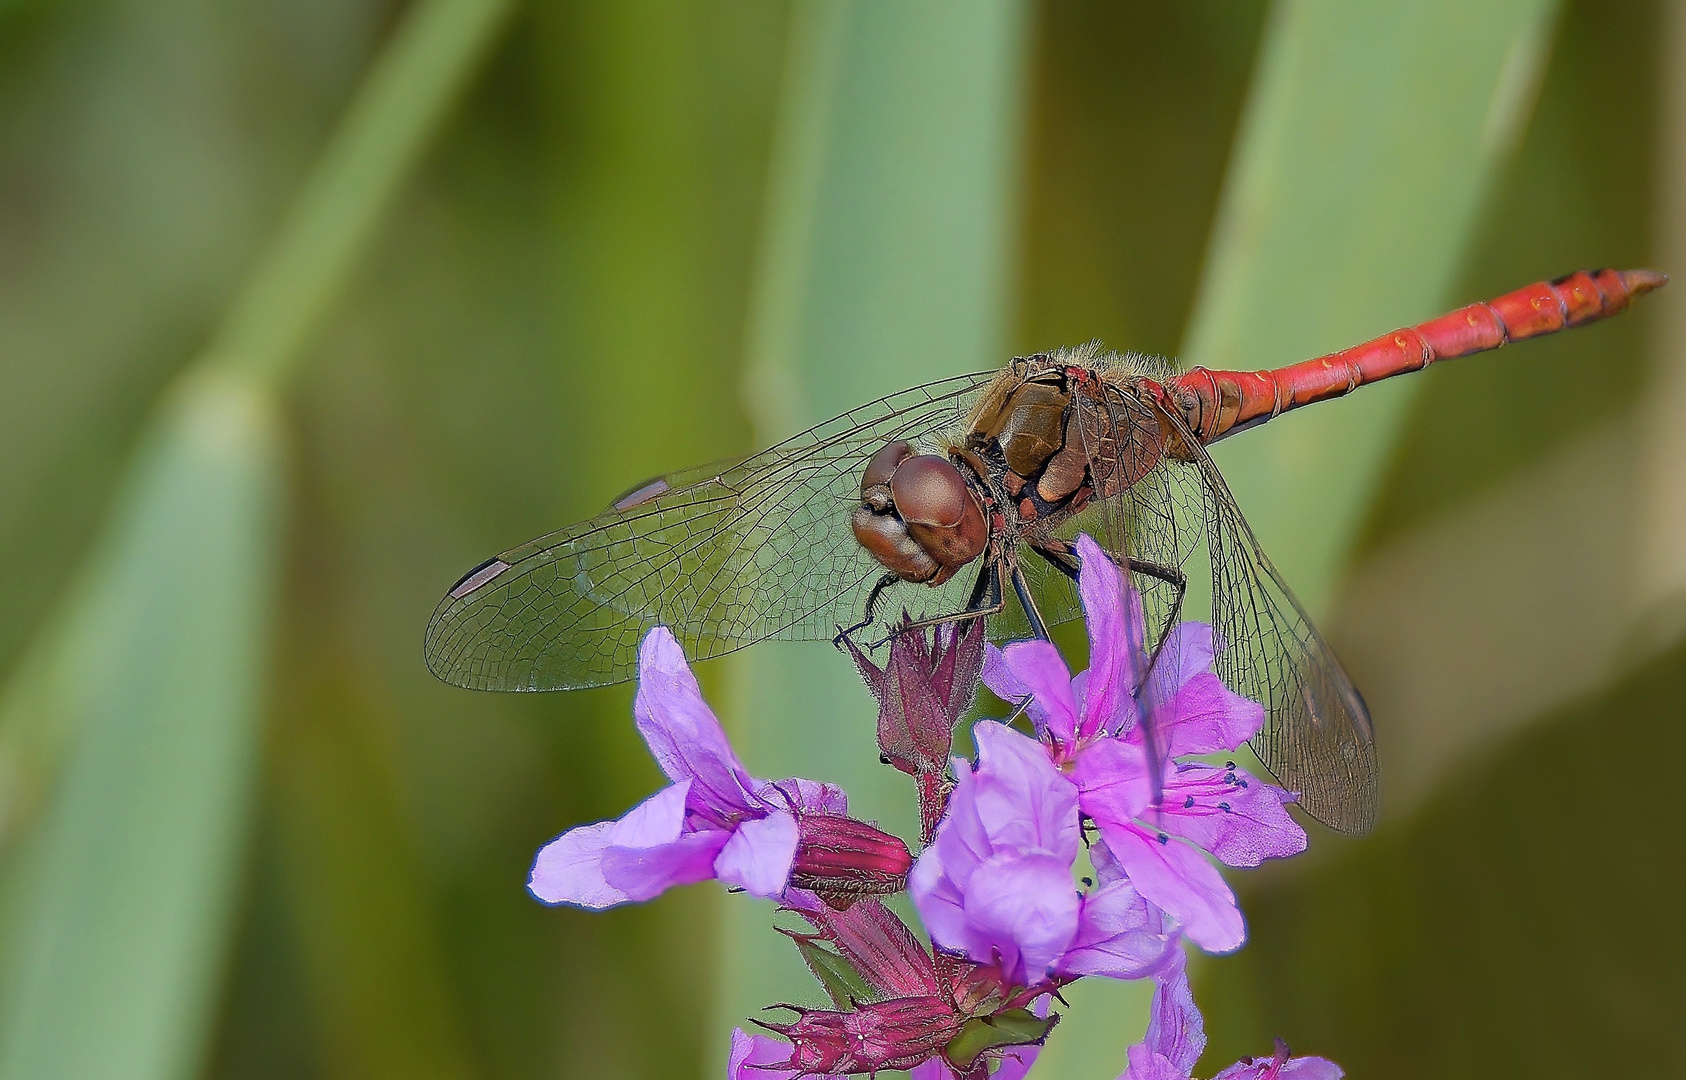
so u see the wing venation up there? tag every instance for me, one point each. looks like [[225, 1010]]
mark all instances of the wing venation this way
[[726, 555]]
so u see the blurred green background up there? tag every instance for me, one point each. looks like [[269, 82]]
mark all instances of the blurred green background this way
[[306, 306]]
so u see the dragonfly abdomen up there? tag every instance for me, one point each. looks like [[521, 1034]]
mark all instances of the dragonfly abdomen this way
[[1227, 401]]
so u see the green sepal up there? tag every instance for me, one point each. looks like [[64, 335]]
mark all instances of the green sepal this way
[[843, 984], [1009, 1027]]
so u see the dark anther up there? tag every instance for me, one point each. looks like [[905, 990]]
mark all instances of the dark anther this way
[[1163, 839], [1229, 764], [1224, 807], [1188, 802], [883, 759], [1088, 883]]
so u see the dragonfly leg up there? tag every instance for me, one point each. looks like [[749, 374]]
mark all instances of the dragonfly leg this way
[[1037, 625], [871, 603], [986, 600], [1065, 561]]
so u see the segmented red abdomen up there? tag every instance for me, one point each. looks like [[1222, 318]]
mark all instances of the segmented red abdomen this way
[[1228, 400]]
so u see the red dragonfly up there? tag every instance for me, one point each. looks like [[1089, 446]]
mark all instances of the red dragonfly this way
[[899, 498]]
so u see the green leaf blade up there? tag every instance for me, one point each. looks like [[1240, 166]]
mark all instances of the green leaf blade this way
[[1372, 136], [159, 673]]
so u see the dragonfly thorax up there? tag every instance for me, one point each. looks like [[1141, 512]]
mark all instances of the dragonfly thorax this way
[[1055, 434]]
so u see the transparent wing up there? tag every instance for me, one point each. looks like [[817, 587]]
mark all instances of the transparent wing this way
[[1317, 739], [723, 555]]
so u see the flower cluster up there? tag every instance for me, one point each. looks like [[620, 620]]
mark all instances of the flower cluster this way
[[1108, 773]]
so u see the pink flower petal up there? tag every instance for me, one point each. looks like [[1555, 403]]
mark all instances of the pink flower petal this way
[[1188, 651], [646, 873], [1300, 1068], [996, 880], [936, 1069], [1119, 935], [1204, 717], [1114, 780], [1180, 881], [1036, 668], [796, 793], [1227, 812], [937, 896], [753, 1057], [1117, 653], [1006, 686], [1022, 799], [655, 821], [1175, 1028], [683, 734], [1144, 1064], [1026, 907], [757, 858], [569, 869]]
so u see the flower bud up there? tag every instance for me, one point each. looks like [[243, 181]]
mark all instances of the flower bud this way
[[926, 685], [842, 860], [895, 1034]]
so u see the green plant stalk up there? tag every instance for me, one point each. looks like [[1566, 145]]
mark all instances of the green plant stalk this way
[[386, 128], [886, 261], [128, 737]]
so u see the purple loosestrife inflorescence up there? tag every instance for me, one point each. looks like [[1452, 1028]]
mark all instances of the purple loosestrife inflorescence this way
[[1156, 814], [997, 882]]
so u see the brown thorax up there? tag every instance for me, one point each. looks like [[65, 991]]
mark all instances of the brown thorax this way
[[1045, 437]]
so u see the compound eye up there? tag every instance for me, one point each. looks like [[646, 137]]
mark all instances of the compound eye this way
[[883, 464], [929, 490]]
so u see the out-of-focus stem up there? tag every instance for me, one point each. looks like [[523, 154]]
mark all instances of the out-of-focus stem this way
[[1660, 584]]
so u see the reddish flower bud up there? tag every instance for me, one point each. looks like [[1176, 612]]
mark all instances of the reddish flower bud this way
[[921, 693], [843, 860], [895, 1034]]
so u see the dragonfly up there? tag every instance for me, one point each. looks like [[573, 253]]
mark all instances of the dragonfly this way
[[961, 499]]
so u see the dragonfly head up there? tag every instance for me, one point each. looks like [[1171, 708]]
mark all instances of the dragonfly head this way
[[917, 516]]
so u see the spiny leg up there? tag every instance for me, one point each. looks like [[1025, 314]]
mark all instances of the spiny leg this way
[[1038, 626], [1065, 561], [866, 620], [986, 600]]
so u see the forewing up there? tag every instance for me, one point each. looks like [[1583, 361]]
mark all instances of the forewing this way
[[724, 557]]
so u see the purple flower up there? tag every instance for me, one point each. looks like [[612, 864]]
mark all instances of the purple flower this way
[[714, 821], [1176, 1036], [1096, 729], [1119, 934], [996, 883]]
